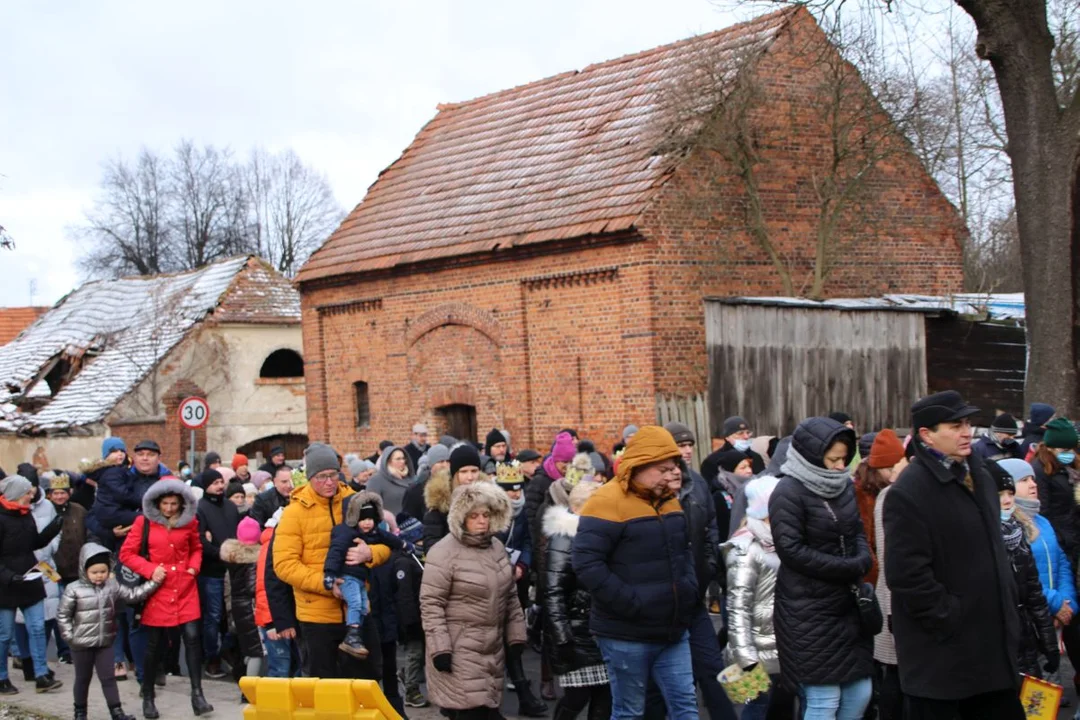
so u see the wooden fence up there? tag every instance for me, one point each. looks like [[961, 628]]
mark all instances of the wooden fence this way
[[693, 412]]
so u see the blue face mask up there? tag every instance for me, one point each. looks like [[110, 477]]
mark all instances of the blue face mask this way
[[186, 472], [1007, 514], [742, 445], [1066, 458]]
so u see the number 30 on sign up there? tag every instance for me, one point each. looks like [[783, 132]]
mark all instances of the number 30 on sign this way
[[194, 412]]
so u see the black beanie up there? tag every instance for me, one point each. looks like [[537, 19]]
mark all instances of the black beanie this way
[[463, 456], [29, 472], [207, 478], [211, 458], [368, 511], [493, 438], [729, 459], [101, 557], [233, 488]]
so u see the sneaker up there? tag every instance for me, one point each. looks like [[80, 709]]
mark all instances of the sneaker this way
[[6, 688], [46, 684], [414, 698], [214, 671], [352, 644], [120, 671], [64, 659]]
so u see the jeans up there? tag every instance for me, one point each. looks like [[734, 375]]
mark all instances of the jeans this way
[[630, 665], [22, 639], [137, 639], [278, 655], [847, 701], [356, 600], [708, 662], [35, 628], [212, 598]]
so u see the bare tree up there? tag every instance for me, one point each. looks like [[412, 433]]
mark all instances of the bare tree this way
[[128, 229], [1030, 46], [180, 212], [719, 110], [294, 208]]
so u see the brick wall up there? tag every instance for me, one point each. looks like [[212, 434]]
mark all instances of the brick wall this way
[[585, 333], [705, 250]]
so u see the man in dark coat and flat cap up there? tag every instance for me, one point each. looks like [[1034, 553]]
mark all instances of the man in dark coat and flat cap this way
[[953, 597]]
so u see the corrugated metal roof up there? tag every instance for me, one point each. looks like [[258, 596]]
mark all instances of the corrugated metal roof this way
[[119, 330], [995, 306], [563, 157]]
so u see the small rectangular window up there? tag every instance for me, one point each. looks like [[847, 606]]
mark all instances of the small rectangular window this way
[[363, 408]]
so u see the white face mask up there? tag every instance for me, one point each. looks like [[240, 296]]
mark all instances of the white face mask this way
[[1007, 514], [742, 445]]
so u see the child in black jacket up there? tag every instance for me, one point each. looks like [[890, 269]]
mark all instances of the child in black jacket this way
[[362, 519]]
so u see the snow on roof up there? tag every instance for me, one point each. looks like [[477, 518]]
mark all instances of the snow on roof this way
[[995, 306], [117, 331]]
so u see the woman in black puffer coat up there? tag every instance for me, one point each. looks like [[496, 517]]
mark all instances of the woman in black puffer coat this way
[[824, 554], [576, 658]]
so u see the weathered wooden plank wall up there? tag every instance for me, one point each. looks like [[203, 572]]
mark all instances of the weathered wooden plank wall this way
[[986, 362], [694, 413], [776, 366]]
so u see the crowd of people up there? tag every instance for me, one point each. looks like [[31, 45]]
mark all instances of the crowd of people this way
[[641, 582]]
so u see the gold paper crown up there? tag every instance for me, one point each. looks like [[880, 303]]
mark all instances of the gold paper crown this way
[[62, 481], [509, 474]]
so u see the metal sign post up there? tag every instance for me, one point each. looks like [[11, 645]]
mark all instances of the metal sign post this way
[[194, 413]]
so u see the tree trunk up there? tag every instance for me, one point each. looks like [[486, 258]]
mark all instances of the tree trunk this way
[[1043, 144]]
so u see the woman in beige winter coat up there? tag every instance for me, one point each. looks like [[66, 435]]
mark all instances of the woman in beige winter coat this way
[[469, 606]]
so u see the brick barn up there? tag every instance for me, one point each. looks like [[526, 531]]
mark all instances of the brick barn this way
[[536, 259]]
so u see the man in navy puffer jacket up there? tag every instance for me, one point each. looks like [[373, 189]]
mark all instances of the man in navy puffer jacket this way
[[632, 554]]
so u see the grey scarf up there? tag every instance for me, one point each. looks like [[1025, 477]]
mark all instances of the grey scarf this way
[[823, 483], [1031, 507]]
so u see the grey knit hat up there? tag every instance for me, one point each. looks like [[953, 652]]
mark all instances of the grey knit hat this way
[[319, 457], [14, 487], [437, 453]]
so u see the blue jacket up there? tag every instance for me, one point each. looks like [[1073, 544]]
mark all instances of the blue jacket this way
[[342, 538], [516, 537], [986, 448], [119, 501], [634, 559], [1055, 572]]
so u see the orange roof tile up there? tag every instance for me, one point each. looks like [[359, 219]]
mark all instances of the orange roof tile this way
[[563, 157], [13, 320]]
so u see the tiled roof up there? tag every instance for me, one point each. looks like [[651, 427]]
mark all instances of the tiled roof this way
[[260, 295], [118, 330], [13, 320], [571, 155]]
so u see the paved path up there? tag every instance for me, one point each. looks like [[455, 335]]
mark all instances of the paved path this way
[[174, 701]]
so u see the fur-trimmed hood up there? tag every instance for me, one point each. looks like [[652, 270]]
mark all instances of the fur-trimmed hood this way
[[438, 491], [235, 552], [558, 520], [169, 487], [358, 501], [481, 493]]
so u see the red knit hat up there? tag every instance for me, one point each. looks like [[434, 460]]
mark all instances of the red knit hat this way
[[238, 460], [886, 450]]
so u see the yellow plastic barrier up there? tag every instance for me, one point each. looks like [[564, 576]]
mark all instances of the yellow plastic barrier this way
[[311, 698]]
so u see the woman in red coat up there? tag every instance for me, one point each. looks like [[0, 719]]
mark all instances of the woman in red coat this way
[[173, 549]]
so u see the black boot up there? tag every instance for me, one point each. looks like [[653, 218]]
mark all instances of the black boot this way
[[353, 644], [199, 706], [117, 713], [528, 704], [27, 665], [149, 709], [80, 712]]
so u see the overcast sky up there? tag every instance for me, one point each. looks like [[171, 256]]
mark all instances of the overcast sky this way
[[345, 84]]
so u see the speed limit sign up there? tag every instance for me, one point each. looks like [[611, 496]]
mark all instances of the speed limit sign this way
[[194, 412]]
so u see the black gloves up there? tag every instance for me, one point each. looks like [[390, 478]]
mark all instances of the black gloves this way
[[442, 662], [1052, 663]]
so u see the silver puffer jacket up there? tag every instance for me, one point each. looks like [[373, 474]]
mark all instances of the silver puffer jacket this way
[[751, 582], [87, 614]]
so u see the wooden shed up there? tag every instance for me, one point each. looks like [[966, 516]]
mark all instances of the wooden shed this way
[[777, 361]]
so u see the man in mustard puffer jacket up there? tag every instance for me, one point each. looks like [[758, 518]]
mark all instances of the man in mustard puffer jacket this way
[[300, 545]]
